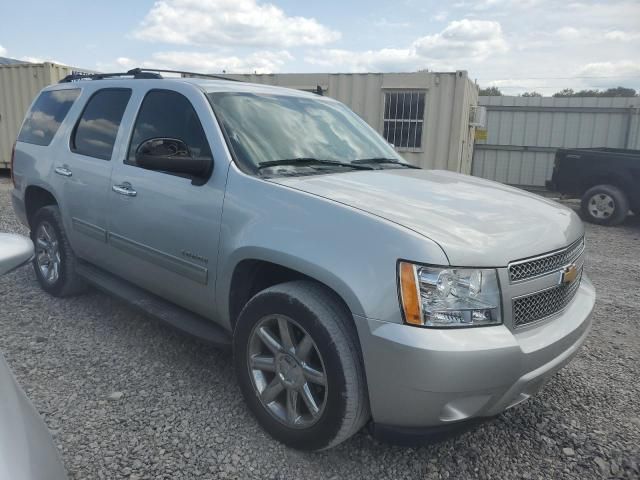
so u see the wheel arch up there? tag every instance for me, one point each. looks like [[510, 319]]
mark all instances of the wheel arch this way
[[36, 197], [253, 274]]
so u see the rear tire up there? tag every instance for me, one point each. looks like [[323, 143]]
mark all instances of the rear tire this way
[[54, 262], [604, 205], [310, 346]]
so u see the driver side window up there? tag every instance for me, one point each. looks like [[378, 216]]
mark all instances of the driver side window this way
[[168, 114]]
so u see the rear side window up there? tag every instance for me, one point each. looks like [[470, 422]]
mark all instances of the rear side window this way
[[168, 114], [95, 133], [46, 115]]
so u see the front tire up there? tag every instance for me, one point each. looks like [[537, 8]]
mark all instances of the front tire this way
[[298, 365], [54, 261], [604, 205]]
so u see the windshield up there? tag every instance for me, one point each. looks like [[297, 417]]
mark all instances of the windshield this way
[[304, 134]]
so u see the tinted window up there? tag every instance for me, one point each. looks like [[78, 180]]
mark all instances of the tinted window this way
[[46, 115], [96, 131], [170, 115]]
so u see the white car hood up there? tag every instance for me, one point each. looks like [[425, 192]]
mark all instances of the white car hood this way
[[476, 222], [27, 451]]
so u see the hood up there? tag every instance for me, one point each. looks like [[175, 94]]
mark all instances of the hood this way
[[477, 222], [26, 447], [15, 250]]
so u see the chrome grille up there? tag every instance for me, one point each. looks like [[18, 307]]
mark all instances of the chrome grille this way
[[534, 267], [534, 307]]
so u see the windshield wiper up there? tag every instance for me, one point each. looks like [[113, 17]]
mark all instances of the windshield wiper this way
[[306, 161], [393, 161]]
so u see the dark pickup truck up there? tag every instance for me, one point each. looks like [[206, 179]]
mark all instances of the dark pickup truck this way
[[607, 180]]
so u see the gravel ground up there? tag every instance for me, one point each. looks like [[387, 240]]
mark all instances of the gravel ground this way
[[127, 397]]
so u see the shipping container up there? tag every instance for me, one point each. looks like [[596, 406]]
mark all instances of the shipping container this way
[[425, 115], [19, 85]]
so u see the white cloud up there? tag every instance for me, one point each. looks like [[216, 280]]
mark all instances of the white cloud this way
[[470, 39], [384, 60], [622, 35], [569, 33], [620, 69], [216, 23], [460, 44], [3, 51], [260, 62], [440, 16], [31, 59], [126, 62], [484, 5]]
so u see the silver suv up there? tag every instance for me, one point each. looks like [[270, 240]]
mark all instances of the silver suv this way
[[351, 285]]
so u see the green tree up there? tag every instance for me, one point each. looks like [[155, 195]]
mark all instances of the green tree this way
[[619, 92], [532, 94], [588, 93], [490, 92], [609, 92], [566, 92]]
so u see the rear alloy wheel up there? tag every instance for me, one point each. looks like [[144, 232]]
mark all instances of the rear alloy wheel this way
[[47, 253], [54, 261], [299, 366], [605, 205]]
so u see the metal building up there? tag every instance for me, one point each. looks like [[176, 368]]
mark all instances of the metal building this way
[[20, 82], [425, 115], [523, 133]]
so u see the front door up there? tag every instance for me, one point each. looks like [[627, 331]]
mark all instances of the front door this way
[[164, 228]]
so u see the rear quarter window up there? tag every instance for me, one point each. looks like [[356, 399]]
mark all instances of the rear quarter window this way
[[46, 115]]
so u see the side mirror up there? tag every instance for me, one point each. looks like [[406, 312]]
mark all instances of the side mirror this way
[[15, 251], [170, 155]]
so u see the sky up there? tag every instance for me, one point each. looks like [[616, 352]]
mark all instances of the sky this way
[[517, 46]]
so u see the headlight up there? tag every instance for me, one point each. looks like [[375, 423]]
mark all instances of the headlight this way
[[449, 297]]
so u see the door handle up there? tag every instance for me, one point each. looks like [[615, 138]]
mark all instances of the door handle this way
[[64, 171], [124, 189]]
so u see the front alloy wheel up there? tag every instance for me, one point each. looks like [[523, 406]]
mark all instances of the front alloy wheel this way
[[287, 371], [299, 367]]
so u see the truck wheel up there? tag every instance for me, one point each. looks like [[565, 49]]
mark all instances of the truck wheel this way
[[298, 366], [54, 261], [605, 205]]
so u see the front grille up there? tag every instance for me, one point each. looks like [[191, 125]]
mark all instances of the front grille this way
[[524, 269], [534, 307]]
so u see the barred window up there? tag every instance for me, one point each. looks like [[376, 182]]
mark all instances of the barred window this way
[[403, 118]]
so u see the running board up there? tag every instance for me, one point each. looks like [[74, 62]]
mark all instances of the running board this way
[[176, 316]]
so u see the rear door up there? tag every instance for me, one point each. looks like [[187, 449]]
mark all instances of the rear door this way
[[85, 171], [164, 228]]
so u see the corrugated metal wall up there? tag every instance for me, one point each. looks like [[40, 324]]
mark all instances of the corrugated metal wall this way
[[19, 85], [447, 138], [524, 133]]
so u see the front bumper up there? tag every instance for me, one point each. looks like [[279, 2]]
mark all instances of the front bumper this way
[[420, 377]]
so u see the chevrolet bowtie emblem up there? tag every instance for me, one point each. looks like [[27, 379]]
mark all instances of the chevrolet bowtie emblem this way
[[569, 274]]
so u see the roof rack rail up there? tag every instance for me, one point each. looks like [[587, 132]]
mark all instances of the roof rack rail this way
[[138, 73], [74, 77]]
